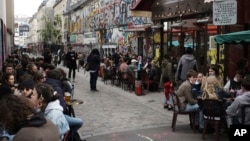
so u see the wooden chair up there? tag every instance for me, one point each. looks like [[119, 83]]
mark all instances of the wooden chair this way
[[176, 111], [109, 75], [245, 109], [214, 114], [122, 76], [146, 80]]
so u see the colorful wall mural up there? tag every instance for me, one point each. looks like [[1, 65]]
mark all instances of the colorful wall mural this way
[[108, 15]]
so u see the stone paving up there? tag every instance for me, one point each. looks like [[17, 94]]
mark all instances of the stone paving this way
[[114, 109]]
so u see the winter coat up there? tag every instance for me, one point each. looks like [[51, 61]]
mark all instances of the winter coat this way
[[38, 128], [57, 86], [71, 57], [94, 62], [184, 93], [186, 63], [234, 110]]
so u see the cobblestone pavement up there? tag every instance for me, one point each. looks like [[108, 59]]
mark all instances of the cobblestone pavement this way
[[113, 109]]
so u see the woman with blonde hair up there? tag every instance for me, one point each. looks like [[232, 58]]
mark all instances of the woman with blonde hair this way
[[212, 89], [209, 87]]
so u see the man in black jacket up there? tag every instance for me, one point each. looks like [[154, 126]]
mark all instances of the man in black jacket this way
[[94, 65], [71, 57]]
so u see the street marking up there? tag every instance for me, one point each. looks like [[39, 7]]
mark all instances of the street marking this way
[[148, 138]]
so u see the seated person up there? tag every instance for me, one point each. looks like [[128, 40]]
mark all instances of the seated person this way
[[132, 67], [24, 121], [46, 99], [188, 103], [234, 110], [212, 89], [196, 87], [234, 85]]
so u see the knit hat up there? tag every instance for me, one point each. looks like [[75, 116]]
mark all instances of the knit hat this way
[[28, 84]]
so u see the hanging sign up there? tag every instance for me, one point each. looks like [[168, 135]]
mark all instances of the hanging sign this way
[[224, 12]]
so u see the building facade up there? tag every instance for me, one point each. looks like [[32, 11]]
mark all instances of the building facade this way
[[6, 29]]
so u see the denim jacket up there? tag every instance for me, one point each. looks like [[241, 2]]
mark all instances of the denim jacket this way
[[54, 112]]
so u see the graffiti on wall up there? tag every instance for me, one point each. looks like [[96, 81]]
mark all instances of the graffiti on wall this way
[[109, 14]]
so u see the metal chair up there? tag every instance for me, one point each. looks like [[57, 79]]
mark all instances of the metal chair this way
[[176, 111]]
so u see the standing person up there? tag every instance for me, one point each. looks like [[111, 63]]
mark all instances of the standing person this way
[[187, 62], [71, 57], [166, 69], [47, 56], [94, 65]]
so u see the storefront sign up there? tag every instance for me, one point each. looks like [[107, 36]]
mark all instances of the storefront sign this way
[[224, 12]]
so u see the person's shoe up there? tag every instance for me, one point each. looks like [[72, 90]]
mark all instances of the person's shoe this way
[[165, 106], [96, 90], [170, 107]]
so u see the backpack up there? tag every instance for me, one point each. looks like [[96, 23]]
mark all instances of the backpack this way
[[72, 136]]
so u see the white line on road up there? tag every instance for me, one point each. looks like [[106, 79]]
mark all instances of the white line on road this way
[[148, 138]]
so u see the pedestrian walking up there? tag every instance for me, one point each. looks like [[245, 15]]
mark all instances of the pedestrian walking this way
[[186, 63], [71, 57], [94, 61]]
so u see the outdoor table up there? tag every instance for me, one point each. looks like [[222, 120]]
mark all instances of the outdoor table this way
[[70, 105]]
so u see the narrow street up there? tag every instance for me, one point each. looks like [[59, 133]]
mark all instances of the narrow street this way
[[114, 114]]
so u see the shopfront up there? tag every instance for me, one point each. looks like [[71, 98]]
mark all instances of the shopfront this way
[[189, 23]]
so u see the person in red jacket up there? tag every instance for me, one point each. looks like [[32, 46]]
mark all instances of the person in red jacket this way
[[168, 88]]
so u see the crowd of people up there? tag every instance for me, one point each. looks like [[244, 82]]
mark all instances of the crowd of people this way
[[192, 87], [32, 101], [32, 90]]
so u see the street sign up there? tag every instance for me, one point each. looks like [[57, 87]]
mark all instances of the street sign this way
[[224, 12]]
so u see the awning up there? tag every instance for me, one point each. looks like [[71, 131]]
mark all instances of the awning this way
[[144, 5], [235, 37]]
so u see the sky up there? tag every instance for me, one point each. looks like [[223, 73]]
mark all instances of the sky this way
[[26, 7]]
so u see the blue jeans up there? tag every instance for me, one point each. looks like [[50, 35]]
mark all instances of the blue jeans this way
[[170, 101], [198, 116], [74, 123], [93, 80]]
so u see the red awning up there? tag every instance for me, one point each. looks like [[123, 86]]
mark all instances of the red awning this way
[[143, 5]]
